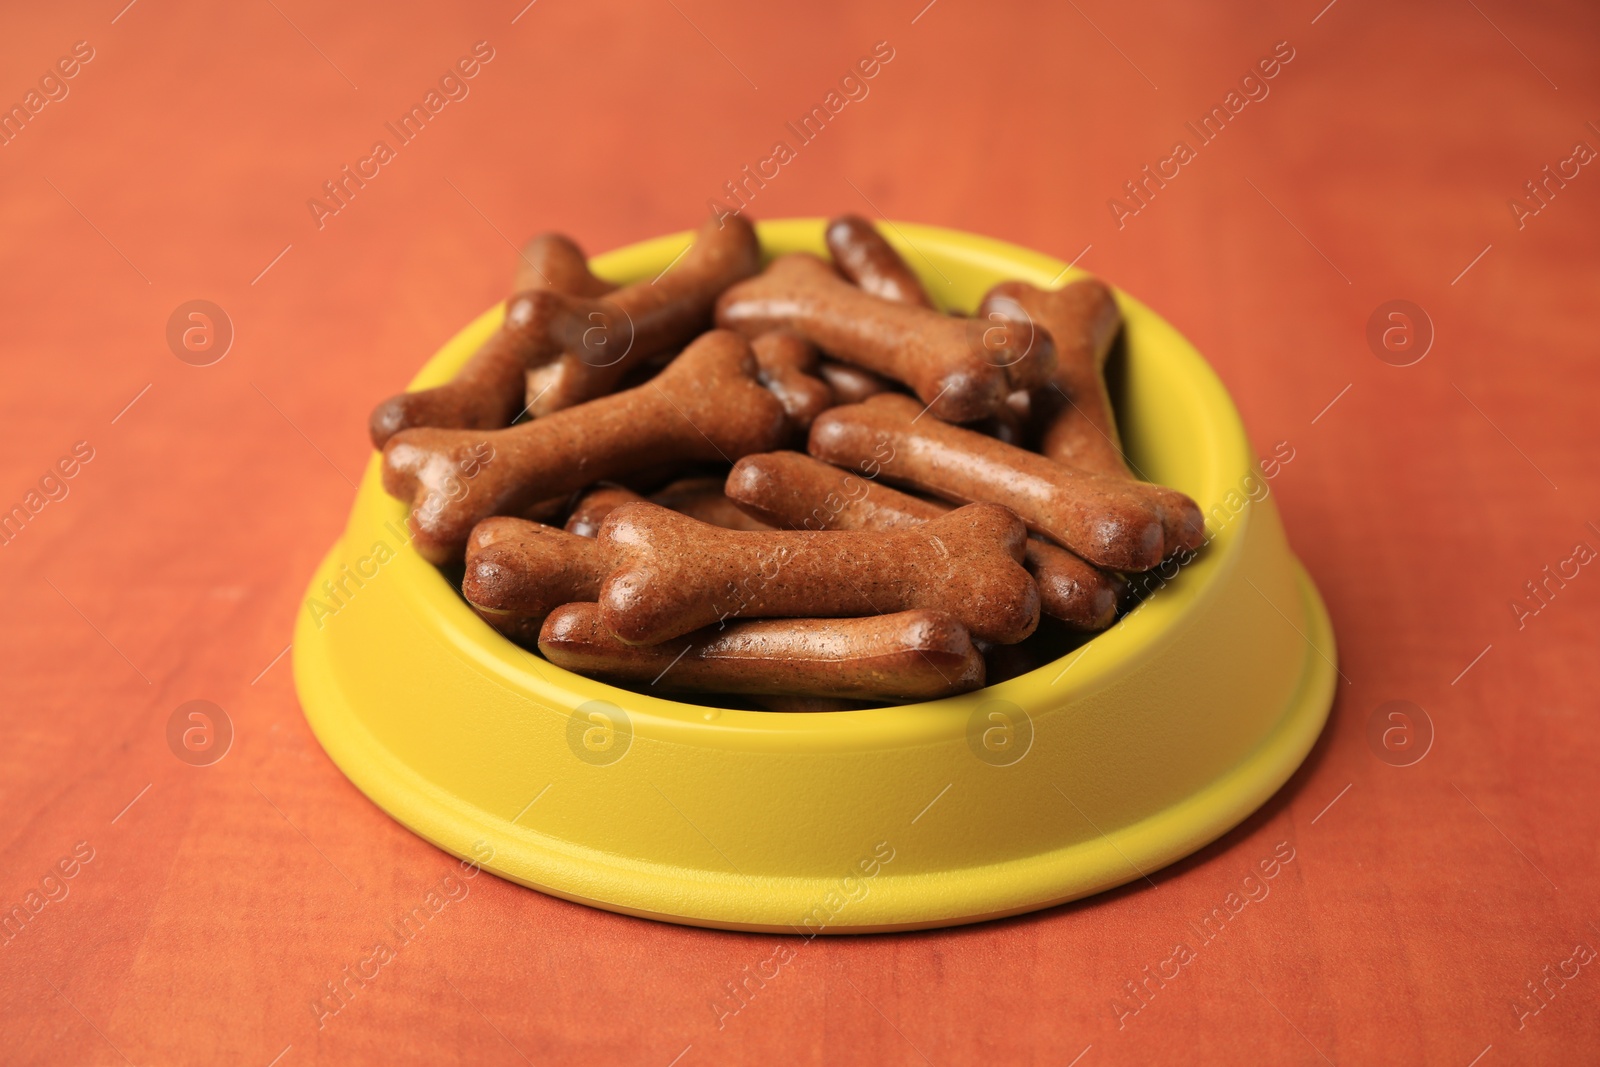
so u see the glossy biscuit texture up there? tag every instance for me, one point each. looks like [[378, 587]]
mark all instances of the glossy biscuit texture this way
[[592, 508]]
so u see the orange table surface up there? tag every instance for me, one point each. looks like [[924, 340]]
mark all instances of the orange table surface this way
[[1444, 912]]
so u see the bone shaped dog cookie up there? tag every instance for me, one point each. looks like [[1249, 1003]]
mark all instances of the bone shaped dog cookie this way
[[487, 392], [1079, 426], [1109, 522], [793, 491], [906, 656], [554, 261], [645, 318], [862, 255], [519, 571], [591, 342], [788, 366], [706, 406], [672, 574], [960, 368]]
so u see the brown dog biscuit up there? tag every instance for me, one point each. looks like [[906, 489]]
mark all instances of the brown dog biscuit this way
[[518, 572], [593, 507], [702, 498], [487, 392], [640, 320], [554, 261], [706, 406], [962, 369], [851, 385], [1079, 427], [1109, 522], [793, 491], [862, 255], [590, 342], [906, 656], [1072, 589], [787, 365], [673, 574]]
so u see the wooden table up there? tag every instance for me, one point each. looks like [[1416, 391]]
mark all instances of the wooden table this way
[[1378, 164]]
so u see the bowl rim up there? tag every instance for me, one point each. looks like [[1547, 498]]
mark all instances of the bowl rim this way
[[1103, 658]]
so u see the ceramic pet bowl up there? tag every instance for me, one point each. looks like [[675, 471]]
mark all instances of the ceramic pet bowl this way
[[1130, 752]]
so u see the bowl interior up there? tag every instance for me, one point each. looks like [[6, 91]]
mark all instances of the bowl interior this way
[[1178, 426]]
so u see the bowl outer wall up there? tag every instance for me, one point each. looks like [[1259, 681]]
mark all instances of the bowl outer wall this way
[[1137, 748]]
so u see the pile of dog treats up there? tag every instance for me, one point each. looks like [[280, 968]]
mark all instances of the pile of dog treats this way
[[799, 488]]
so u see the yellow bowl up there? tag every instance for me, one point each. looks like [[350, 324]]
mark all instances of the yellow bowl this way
[[1125, 755]]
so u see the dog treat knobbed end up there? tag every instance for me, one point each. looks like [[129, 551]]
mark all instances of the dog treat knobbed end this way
[[518, 571], [484, 395], [750, 484], [1183, 522], [488, 582], [863, 255], [388, 419], [567, 625], [705, 406], [554, 261], [787, 365]]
